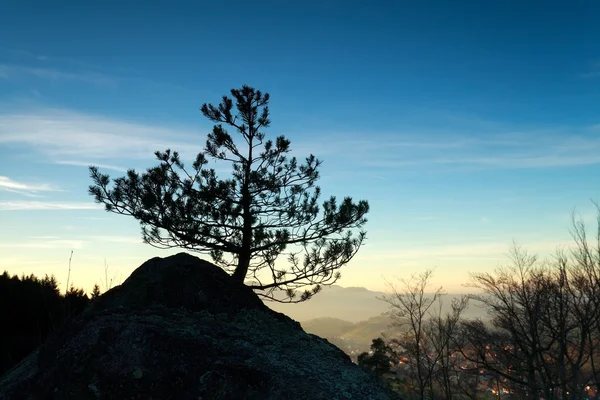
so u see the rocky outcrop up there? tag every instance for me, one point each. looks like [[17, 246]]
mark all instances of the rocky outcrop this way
[[181, 328]]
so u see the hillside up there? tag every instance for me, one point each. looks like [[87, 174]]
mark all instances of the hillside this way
[[327, 327], [365, 331], [353, 338]]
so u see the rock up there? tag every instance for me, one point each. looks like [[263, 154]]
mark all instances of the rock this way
[[181, 328]]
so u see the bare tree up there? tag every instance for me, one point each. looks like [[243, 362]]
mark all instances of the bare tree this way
[[585, 277], [544, 335], [513, 298], [442, 330], [425, 334]]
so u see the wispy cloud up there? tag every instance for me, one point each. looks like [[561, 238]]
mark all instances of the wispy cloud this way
[[408, 143], [51, 67], [78, 139], [24, 53], [46, 244], [48, 206], [507, 162], [502, 151], [67, 137], [489, 250], [19, 71], [116, 239], [592, 72], [494, 147], [10, 185], [26, 194], [45, 59], [87, 164]]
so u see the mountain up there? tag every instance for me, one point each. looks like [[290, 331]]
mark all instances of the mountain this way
[[351, 317], [352, 304]]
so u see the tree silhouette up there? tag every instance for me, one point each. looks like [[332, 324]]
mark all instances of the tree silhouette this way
[[544, 331], [95, 292], [30, 309], [379, 361], [267, 208], [426, 335]]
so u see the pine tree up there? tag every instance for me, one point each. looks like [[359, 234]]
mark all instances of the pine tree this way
[[95, 292], [267, 208], [379, 361]]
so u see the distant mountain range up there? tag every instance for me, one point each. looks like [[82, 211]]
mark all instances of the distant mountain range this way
[[352, 304], [351, 317]]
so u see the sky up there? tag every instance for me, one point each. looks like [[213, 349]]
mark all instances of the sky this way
[[467, 125]]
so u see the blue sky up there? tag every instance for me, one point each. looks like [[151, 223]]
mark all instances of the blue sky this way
[[465, 124]]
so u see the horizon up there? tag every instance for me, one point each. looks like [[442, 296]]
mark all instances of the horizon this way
[[465, 126]]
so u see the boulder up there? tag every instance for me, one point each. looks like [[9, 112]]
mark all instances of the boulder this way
[[180, 328]]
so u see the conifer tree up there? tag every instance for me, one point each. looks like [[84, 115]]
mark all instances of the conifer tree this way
[[267, 208]]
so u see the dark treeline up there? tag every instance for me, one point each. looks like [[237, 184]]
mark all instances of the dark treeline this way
[[30, 309]]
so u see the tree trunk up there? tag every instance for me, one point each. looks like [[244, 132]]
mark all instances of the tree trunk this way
[[242, 268], [244, 256]]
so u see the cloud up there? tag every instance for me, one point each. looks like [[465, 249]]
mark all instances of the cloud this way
[[26, 194], [489, 250], [47, 242], [10, 185], [117, 239], [541, 161], [67, 137], [45, 59], [408, 142], [494, 147], [79, 139], [87, 164], [41, 205], [54, 68], [23, 53], [593, 71], [95, 78], [536, 151], [41, 243]]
